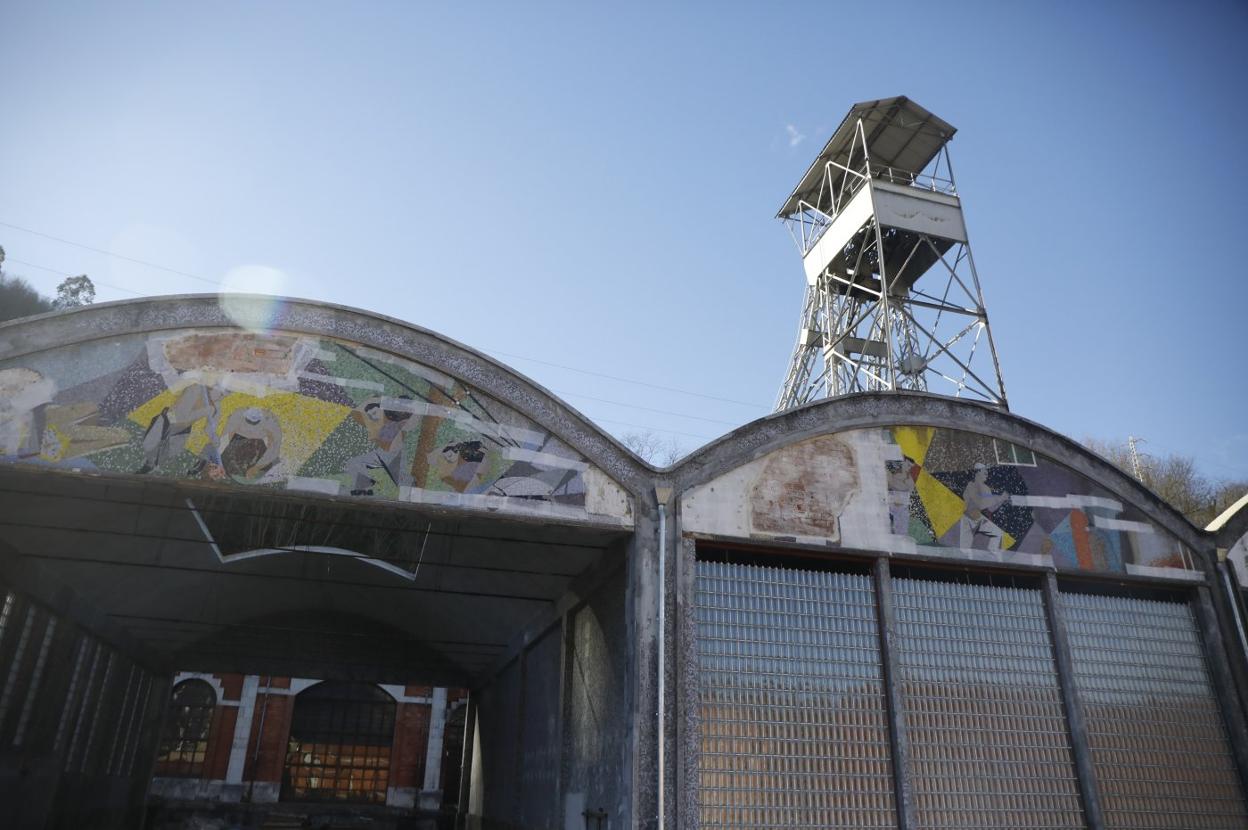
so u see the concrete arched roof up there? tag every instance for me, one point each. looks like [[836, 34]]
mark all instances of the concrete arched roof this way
[[881, 409], [291, 315], [1232, 524]]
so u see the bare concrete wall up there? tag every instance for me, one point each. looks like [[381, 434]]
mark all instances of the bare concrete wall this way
[[555, 724], [598, 730], [498, 730], [539, 732]]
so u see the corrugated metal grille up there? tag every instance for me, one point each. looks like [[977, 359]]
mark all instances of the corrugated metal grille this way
[[1157, 739], [793, 727], [989, 746]]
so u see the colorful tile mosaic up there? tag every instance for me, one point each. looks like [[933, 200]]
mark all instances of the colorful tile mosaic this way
[[954, 489], [282, 411]]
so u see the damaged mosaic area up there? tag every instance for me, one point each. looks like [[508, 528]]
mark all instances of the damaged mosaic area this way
[[284, 411]]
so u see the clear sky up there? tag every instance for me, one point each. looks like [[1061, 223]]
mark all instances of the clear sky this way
[[594, 185]]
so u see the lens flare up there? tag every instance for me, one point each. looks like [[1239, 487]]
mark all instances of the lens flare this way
[[244, 300]]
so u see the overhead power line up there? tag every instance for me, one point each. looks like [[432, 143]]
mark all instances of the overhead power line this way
[[67, 274], [628, 380], [113, 254], [146, 263]]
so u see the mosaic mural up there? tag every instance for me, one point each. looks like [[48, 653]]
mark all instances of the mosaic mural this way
[[955, 489], [289, 412], [932, 491]]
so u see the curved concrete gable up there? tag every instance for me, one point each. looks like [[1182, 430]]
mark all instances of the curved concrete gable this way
[[935, 490], [176, 388], [1231, 532]]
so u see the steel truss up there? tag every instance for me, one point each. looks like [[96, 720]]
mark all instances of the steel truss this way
[[897, 307]]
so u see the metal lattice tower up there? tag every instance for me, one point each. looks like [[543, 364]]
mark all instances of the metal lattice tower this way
[[892, 297]]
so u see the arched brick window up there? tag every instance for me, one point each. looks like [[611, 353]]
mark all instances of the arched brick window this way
[[184, 742], [340, 739]]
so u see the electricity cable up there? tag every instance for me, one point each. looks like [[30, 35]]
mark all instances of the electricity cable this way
[[149, 264]]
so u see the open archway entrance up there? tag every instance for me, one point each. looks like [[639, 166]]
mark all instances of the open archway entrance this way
[[430, 602], [341, 740]]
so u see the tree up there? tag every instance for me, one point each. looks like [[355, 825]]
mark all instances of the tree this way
[[663, 452], [1176, 479], [18, 298], [75, 292]]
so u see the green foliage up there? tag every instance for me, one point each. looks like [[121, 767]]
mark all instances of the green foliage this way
[[19, 299], [1176, 479], [75, 292]]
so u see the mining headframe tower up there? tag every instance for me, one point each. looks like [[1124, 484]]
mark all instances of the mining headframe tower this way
[[893, 301]]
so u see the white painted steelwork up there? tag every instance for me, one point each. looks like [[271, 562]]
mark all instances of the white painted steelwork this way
[[892, 298]]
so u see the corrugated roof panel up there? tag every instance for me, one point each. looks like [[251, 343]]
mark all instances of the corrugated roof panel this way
[[900, 134]]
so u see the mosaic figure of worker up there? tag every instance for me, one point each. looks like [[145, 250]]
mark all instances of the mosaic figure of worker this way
[[387, 421], [980, 500], [169, 429], [459, 465], [250, 445]]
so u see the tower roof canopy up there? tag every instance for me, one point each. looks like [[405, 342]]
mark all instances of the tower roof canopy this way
[[900, 134]]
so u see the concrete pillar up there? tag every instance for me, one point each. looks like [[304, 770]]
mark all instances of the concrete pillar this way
[[233, 790], [897, 728], [1089, 794], [431, 790]]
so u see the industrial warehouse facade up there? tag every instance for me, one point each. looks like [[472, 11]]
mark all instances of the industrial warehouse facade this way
[[280, 554]]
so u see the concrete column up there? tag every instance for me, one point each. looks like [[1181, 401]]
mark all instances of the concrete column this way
[[1223, 682], [242, 738], [1089, 795], [892, 696], [472, 787], [433, 753]]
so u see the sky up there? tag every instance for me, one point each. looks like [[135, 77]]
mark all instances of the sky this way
[[587, 191]]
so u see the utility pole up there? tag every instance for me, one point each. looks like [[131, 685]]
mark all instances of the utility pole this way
[[1135, 457]]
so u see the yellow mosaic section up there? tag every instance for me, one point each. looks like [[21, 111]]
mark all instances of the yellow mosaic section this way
[[944, 507], [306, 421], [914, 441]]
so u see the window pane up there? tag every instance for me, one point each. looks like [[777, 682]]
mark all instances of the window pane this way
[[184, 743], [791, 701], [1156, 735], [989, 745], [337, 728]]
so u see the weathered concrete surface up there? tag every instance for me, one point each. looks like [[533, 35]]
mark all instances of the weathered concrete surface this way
[[554, 724], [915, 409], [937, 492]]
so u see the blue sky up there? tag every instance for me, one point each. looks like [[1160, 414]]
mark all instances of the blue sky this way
[[594, 185]]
